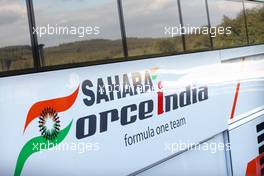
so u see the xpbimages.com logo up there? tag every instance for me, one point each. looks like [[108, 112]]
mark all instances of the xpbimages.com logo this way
[[51, 131]]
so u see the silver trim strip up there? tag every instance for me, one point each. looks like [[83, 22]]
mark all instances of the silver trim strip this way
[[246, 117], [233, 53]]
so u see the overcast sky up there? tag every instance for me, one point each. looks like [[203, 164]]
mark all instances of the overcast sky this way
[[144, 18]]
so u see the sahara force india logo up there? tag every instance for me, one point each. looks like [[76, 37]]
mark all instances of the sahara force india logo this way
[[103, 91], [47, 114]]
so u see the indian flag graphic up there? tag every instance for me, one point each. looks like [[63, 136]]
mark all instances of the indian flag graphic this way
[[49, 126]]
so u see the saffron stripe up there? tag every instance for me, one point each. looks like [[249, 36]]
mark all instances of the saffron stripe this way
[[58, 104], [235, 101]]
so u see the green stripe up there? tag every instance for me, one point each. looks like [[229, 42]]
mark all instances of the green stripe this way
[[154, 77], [30, 147]]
